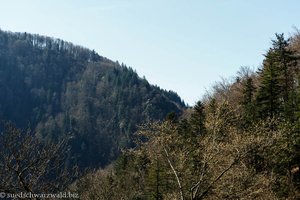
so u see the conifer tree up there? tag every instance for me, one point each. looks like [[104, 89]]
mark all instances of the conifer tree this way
[[276, 94], [269, 93], [286, 61], [248, 101], [198, 119]]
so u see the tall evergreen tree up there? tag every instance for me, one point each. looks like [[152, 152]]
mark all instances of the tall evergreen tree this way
[[286, 61], [198, 119], [248, 101], [268, 97], [276, 95]]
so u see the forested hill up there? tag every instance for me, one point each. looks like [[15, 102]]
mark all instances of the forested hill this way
[[66, 91], [242, 141]]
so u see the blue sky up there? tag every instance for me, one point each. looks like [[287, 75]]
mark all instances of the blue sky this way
[[180, 45]]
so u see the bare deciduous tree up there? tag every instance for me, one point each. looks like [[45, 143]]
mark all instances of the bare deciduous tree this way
[[28, 165]]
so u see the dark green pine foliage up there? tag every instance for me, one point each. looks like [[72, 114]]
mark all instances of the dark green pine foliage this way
[[156, 181], [248, 102], [198, 119], [276, 95], [287, 62], [184, 127], [172, 117], [268, 98]]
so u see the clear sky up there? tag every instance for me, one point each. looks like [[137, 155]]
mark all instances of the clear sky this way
[[180, 45]]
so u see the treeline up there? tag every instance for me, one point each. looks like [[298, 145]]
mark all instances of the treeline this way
[[241, 141], [67, 92], [22, 41]]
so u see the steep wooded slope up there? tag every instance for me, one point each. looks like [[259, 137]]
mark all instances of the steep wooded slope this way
[[66, 91]]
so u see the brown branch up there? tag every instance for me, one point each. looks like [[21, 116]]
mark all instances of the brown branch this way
[[223, 172], [218, 178]]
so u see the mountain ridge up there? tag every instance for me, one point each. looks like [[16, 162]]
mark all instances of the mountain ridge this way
[[62, 89]]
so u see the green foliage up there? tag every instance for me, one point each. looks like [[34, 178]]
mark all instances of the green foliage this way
[[276, 95], [198, 119], [63, 90], [248, 102], [269, 93]]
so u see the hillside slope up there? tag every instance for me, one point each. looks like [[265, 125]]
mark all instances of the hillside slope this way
[[66, 91]]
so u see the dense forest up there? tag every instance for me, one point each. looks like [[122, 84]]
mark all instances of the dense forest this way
[[241, 141], [66, 92]]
